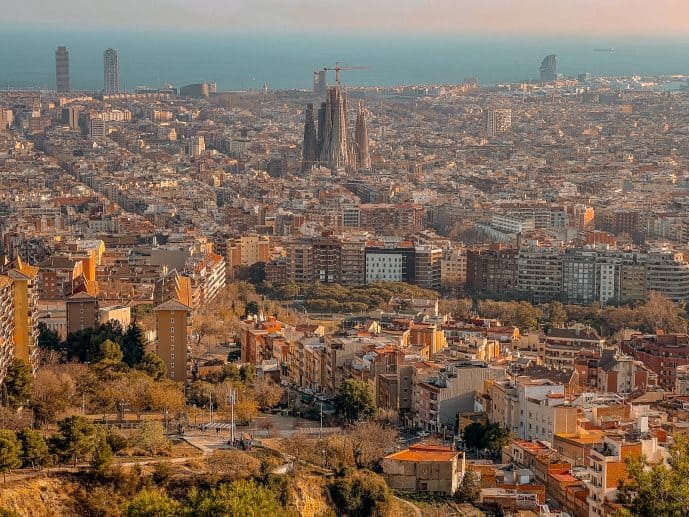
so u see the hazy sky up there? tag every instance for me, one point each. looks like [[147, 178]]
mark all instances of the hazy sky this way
[[652, 17]]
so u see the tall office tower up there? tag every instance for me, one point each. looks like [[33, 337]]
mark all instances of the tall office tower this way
[[498, 121], [361, 154], [111, 71], [310, 148], [334, 144], [549, 68], [320, 83], [62, 69]]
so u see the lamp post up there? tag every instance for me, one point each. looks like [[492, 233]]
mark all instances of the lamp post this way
[[210, 409], [233, 398]]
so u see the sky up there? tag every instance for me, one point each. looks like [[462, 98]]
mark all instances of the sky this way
[[514, 17]]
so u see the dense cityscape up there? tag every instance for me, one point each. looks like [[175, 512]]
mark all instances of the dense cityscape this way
[[442, 299]]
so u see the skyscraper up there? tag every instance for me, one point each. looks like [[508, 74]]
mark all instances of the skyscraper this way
[[549, 68], [310, 148], [62, 69], [111, 71], [361, 154], [320, 83]]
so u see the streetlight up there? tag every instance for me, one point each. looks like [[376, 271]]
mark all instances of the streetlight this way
[[233, 398], [210, 408], [320, 431]]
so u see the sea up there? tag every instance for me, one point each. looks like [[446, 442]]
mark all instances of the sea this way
[[251, 59]]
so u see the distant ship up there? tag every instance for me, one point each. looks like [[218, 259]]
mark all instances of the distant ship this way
[[609, 49]]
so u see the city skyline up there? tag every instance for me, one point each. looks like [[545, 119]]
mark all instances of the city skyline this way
[[446, 16]]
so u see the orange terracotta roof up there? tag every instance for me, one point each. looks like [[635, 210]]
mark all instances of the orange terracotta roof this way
[[425, 453]]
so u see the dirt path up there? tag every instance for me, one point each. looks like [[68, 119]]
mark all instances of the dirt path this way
[[416, 509]]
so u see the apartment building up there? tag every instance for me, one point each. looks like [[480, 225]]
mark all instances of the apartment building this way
[[540, 273], [492, 272], [25, 280], [562, 345], [82, 312], [247, 250], [7, 323], [662, 354], [394, 263], [427, 263], [437, 399], [607, 468], [453, 268], [532, 409], [173, 338]]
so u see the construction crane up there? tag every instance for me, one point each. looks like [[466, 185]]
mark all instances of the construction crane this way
[[338, 68]]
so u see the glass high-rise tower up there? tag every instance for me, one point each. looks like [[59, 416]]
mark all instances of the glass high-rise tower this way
[[549, 68], [62, 69], [111, 71]]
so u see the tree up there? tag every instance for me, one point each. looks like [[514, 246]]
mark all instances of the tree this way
[[473, 435], [206, 327], [151, 503], [496, 438], [247, 373], [115, 440], [133, 345], [557, 316], [85, 344], [102, 453], [526, 316], [354, 401], [17, 384], [241, 498], [166, 395], [34, 448], [54, 391], [653, 488], [150, 436], [151, 364], [659, 312], [110, 352], [470, 487], [490, 436], [245, 410], [257, 273], [252, 309], [361, 493], [266, 394], [75, 439], [48, 339], [370, 442], [10, 451]]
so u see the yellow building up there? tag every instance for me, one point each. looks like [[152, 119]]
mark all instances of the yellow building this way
[[6, 324], [24, 277]]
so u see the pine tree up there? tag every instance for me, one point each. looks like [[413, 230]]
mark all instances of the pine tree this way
[[133, 345], [10, 451]]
